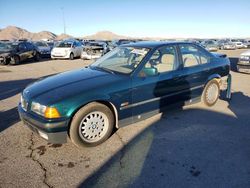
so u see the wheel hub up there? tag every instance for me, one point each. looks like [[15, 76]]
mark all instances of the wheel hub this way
[[93, 126], [212, 93]]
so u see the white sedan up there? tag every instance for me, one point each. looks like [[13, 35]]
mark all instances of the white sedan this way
[[67, 49]]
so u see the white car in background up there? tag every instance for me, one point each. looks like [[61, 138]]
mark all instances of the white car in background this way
[[238, 44], [67, 49], [243, 64]]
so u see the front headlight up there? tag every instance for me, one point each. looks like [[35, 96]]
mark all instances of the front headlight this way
[[24, 103], [38, 108], [45, 111], [245, 58]]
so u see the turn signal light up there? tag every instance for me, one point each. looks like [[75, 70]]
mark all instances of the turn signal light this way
[[51, 112]]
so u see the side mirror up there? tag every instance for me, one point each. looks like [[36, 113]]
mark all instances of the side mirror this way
[[148, 72]]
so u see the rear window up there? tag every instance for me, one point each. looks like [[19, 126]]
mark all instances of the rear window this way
[[193, 56]]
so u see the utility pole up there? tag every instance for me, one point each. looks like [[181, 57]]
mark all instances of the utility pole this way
[[64, 26]]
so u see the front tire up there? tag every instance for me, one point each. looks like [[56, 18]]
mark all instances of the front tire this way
[[91, 125], [71, 56], [37, 56], [211, 93], [15, 60]]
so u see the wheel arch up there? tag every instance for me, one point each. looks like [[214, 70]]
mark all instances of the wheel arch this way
[[216, 77], [107, 103], [71, 52]]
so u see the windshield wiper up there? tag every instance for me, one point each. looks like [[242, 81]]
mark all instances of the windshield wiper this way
[[104, 69]]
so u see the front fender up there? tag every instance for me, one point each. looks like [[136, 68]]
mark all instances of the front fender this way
[[105, 99], [75, 104]]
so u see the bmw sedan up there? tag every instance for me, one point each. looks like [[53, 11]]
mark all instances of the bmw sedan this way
[[131, 83]]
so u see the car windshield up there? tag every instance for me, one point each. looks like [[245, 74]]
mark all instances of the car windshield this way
[[121, 59], [41, 44], [64, 44], [6, 46], [95, 44], [210, 42]]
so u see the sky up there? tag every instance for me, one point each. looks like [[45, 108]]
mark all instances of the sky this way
[[136, 18]]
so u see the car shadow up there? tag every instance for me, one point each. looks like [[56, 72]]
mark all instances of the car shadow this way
[[13, 87], [196, 147], [31, 61], [8, 118], [9, 89], [234, 61]]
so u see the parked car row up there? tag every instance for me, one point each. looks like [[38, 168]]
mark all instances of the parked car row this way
[[14, 53], [18, 51]]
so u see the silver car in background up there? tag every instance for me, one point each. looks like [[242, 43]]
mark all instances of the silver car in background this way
[[226, 45], [43, 48]]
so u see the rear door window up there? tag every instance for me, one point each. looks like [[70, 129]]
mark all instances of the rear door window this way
[[193, 56]]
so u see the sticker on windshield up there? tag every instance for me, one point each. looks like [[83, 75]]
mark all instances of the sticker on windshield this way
[[139, 51]]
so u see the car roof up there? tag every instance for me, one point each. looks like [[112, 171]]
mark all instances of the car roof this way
[[153, 44]]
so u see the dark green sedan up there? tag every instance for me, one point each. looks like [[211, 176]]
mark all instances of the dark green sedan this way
[[128, 84]]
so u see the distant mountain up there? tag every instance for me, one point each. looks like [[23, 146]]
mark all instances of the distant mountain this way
[[106, 35], [12, 33], [63, 36]]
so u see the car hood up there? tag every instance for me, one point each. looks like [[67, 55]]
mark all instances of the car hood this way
[[246, 53], [66, 84], [44, 48]]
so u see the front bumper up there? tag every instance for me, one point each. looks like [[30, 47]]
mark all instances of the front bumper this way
[[212, 49], [53, 132], [45, 54], [243, 66], [229, 47], [60, 56]]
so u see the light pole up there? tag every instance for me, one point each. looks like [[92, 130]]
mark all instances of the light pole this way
[[64, 26]]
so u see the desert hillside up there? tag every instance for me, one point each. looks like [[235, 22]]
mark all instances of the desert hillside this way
[[105, 35], [13, 33]]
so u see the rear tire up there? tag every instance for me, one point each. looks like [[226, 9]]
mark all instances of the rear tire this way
[[211, 93], [91, 125]]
